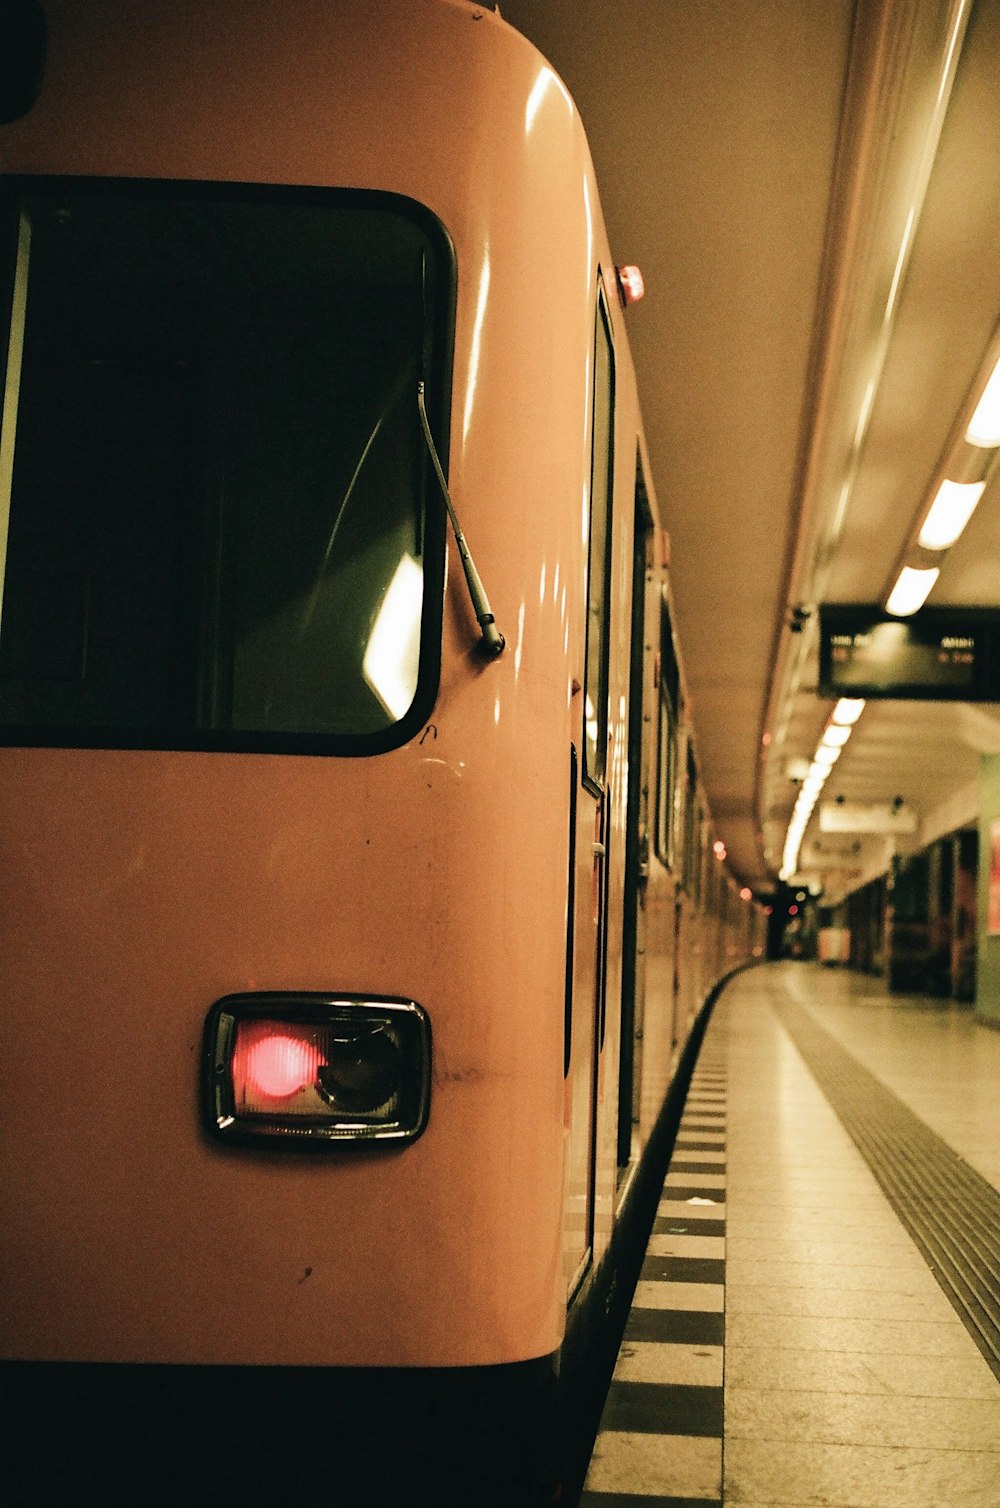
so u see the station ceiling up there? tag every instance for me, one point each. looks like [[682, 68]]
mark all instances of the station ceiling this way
[[813, 194]]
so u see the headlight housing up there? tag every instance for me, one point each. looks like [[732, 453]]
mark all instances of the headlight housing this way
[[316, 1068]]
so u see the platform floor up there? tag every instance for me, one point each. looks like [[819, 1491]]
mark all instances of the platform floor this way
[[818, 1318]]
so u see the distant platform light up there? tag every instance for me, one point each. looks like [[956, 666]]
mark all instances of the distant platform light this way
[[631, 285]]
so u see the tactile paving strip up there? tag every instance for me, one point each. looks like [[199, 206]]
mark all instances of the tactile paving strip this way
[[660, 1440], [951, 1212]]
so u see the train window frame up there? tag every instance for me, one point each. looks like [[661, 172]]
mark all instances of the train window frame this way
[[597, 637], [436, 358]]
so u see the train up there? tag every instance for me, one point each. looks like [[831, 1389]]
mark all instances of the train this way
[[361, 894]]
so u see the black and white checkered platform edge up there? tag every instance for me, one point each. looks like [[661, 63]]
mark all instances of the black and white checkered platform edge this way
[[659, 1444]]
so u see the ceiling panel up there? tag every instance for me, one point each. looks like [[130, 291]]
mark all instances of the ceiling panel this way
[[760, 162]]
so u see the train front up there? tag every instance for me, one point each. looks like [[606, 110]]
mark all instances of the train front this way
[[284, 852]]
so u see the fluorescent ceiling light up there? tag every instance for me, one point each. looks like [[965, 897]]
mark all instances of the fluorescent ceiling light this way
[[835, 736], [911, 590], [950, 512], [818, 771], [826, 755], [848, 710], [984, 427]]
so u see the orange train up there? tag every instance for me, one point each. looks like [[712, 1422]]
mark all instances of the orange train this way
[[359, 899]]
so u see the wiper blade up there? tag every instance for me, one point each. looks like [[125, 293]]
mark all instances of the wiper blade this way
[[493, 640]]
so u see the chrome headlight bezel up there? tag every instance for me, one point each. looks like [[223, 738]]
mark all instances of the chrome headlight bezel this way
[[374, 1035]]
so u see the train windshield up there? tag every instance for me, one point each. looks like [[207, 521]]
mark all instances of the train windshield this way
[[223, 528]]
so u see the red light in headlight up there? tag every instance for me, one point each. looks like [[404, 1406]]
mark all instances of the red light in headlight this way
[[278, 1066]]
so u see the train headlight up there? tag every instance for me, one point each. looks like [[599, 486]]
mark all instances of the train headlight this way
[[316, 1068]]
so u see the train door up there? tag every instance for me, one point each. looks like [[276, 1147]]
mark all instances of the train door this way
[[637, 838], [587, 965]]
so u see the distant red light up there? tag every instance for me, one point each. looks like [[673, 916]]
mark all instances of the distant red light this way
[[631, 284], [793, 910], [279, 1066]]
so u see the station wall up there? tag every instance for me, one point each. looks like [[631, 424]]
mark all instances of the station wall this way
[[988, 973]]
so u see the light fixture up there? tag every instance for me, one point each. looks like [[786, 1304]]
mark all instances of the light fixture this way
[[950, 512], [317, 1070], [848, 710], [911, 590], [960, 480], [835, 735], [984, 426]]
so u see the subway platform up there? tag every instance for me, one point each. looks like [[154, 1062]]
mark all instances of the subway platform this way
[[818, 1317]]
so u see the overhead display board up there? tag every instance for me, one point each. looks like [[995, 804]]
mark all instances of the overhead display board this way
[[940, 654]]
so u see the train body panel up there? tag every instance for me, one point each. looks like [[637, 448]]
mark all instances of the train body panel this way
[[151, 884], [475, 865]]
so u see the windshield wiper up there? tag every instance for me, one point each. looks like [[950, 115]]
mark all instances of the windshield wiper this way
[[493, 640]]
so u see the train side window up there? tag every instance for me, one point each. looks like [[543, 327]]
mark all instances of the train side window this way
[[597, 649], [689, 859], [700, 863], [665, 834]]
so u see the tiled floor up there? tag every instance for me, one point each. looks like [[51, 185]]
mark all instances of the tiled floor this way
[[849, 1380]]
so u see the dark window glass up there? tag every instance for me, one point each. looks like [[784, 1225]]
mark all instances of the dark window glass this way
[[666, 775], [221, 528], [692, 829], [599, 571], [665, 779]]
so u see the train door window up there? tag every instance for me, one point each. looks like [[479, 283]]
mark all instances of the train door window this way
[[597, 648], [666, 762], [224, 531], [636, 830], [692, 827]]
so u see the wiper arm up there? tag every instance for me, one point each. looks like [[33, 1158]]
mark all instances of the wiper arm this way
[[493, 640]]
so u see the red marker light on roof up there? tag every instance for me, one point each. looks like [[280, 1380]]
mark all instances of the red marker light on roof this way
[[631, 284]]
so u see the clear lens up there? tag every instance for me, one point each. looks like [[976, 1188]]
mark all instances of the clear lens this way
[[362, 1073]]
